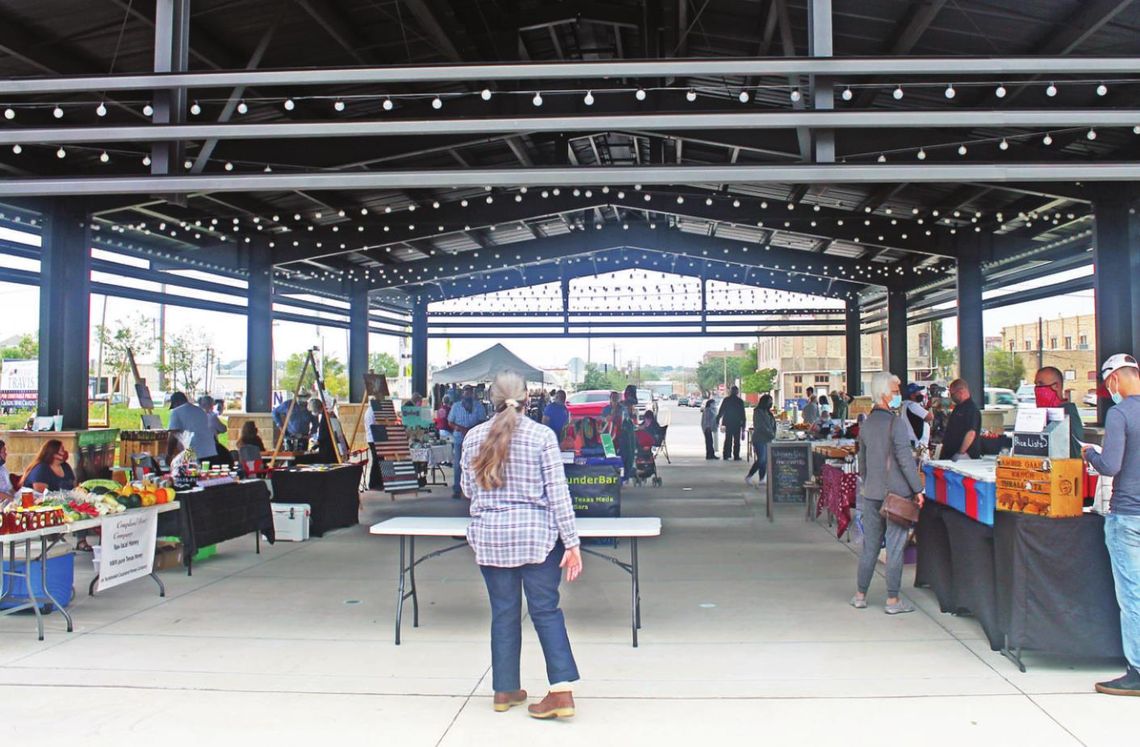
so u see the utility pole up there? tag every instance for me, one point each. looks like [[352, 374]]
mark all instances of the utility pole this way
[[1040, 343]]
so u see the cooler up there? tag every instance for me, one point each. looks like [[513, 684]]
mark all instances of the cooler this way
[[60, 580], [291, 521]]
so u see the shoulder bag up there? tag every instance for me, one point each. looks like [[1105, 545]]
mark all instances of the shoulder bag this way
[[896, 508]]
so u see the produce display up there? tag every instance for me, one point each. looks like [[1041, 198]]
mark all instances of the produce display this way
[[91, 500]]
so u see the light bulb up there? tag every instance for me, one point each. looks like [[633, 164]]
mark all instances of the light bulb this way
[[1136, 130], [387, 105], [795, 94], [242, 107], [1000, 91], [589, 99], [744, 97], [147, 109], [57, 113], [1091, 134], [690, 95], [61, 153], [1051, 90], [921, 154], [229, 166], [1102, 90], [187, 164], [485, 94], [882, 158], [103, 157], [1047, 140], [847, 95], [339, 105], [195, 108], [1004, 144], [898, 93], [9, 113], [950, 92], [289, 105], [437, 103], [101, 110], [146, 161], [708, 201], [961, 150], [17, 149], [537, 100], [640, 95]]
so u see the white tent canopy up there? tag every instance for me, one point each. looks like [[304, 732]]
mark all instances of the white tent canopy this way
[[486, 366]]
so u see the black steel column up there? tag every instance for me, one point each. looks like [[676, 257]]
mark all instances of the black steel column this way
[[65, 313], [971, 336], [565, 306], [358, 340], [259, 328], [420, 346], [896, 334], [854, 347], [1116, 260]]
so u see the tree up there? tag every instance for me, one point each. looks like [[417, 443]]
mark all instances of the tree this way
[[186, 360], [134, 334], [1004, 369], [333, 372], [759, 382], [27, 348], [942, 359], [383, 363], [711, 373], [598, 378]]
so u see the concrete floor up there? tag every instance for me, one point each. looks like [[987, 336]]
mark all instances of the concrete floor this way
[[747, 636]]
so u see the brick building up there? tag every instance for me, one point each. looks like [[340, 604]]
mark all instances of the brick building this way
[[1065, 342]]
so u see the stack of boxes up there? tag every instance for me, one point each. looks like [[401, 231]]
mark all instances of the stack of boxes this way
[[1040, 485]]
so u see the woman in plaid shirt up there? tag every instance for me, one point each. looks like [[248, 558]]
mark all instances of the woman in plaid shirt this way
[[522, 531]]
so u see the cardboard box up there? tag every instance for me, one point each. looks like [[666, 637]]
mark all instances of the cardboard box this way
[[167, 555], [1037, 485]]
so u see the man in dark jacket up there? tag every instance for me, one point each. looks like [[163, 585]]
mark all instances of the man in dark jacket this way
[[732, 417]]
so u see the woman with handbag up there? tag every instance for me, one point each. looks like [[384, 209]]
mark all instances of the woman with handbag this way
[[890, 478]]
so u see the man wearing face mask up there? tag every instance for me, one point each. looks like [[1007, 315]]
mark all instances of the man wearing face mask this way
[[465, 415], [964, 425], [1048, 390], [1120, 460]]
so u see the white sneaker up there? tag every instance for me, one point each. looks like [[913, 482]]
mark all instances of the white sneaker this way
[[748, 480]]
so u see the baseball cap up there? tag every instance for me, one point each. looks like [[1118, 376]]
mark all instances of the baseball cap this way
[[1115, 363], [913, 389], [177, 400]]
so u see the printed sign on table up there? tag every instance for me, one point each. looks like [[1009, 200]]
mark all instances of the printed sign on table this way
[[128, 547]]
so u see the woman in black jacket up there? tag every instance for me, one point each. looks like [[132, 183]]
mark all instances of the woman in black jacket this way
[[763, 432]]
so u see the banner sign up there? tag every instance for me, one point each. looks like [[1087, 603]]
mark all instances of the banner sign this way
[[128, 547], [595, 490]]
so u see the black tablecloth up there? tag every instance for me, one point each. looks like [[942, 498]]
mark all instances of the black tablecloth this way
[[1055, 587], [333, 496], [219, 513], [1046, 583]]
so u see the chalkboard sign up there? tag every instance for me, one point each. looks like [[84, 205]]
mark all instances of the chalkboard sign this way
[[1031, 444], [595, 490], [788, 469]]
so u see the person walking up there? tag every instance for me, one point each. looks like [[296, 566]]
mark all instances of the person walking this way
[[708, 425], [1120, 460], [763, 433], [886, 465], [732, 417], [522, 531], [465, 415]]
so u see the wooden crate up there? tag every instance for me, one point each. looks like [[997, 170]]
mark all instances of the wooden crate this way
[[1046, 487], [145, 443]]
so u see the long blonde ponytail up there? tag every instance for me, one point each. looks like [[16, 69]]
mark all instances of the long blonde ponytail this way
[[507, 395]]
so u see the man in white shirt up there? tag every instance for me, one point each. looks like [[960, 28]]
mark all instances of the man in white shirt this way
[[917, 416]]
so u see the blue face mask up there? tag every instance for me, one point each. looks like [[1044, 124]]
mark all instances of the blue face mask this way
[[1117, 397], [896, 401]]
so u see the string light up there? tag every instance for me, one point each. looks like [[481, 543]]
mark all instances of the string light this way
[[962, 149], [690, 95], [242, 107], [640, 95], [1000, 91], [338, 105], [17, 149], [9, 113], [921, 154], [57, 112], [1004, 144], [387, 105], [950, 92], [1051, 91], [289, 105], [61, 153], [537, 100], [148, 110], [1102, 90], [195, 108], [437, 103], [485, 94], [1091, 134], [589, 99], [101, 110], [745, 98], [847, 95], [898, 93], [795, 95], [146, 161], [1047, 140], [104, 158]]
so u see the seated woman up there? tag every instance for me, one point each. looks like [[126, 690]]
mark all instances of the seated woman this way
[[250, 446], [50, 470]]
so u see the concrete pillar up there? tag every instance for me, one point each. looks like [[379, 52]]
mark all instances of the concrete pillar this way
[[1117, 274], [971, 336], [420, 346], [854, 347], [896, 334], [65, 313], [357, 340], [259, 328]]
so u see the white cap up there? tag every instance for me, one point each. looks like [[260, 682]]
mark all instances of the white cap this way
[[1115, 363]]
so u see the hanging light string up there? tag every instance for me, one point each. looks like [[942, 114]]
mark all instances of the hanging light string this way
[[1003, 142], [386, 102]]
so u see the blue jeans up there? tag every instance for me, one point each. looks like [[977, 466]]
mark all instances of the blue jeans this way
[[1122, 536], [505, 587], [456, 453]]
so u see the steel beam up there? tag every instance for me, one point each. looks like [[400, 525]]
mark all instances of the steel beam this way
[[662, 122], [971, 334], [420, 346], [358, 324], [1006, 68], [1117, 260], [65, 301], [259, 328], [896, 335], [582, 176], [595, 335], [854, 347]]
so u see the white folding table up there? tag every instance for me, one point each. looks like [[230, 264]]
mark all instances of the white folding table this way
[[408, 528]]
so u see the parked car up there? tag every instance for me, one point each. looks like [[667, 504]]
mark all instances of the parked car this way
[[1026, 395], [1003, 401], [588, 404], [1090, 399]]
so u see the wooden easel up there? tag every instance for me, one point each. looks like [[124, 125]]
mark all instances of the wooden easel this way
[[375, 386], [146, 402], [319, 385]]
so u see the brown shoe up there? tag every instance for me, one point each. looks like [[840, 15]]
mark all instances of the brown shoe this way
[[504, 701], [554, 705]]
